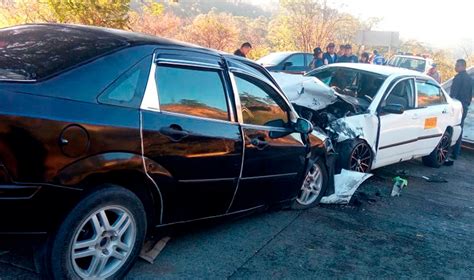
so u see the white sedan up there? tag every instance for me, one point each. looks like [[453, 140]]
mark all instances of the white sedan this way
[[377, 115]]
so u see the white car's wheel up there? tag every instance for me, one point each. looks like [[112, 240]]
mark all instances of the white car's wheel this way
[[356, 155], [440, 153]]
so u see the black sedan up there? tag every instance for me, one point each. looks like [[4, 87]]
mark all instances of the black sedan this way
[[106, 135], [288, 62]]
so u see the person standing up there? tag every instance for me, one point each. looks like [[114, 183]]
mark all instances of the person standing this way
[[330, 56], [377, 58], [342, 50], [244, 50], [433, 73], [348, 57], [317, 58], [461, 89], [364, 58]]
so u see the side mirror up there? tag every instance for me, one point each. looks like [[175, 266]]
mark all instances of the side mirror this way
[[303, 126], [287, 64], [393, 109], [274, 134]]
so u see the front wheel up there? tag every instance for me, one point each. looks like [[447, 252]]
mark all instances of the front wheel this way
[[356, 155], [100, 238], [440, 153], [313, 187]]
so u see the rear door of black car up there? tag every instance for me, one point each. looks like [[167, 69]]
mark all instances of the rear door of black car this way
[[189, 129]]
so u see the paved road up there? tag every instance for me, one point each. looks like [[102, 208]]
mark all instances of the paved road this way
[[426, 233]]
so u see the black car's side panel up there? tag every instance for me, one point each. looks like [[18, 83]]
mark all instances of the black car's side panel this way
[[39, 136], [205, 164]]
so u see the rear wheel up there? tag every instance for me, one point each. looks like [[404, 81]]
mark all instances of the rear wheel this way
[[100, 238], [356, 155], [439, 155], [313, 187]]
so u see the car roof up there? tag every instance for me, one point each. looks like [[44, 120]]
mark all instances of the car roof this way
[[412, 56], [132, 38], [378, 69], [288, 52]]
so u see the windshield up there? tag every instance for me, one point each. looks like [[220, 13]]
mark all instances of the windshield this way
[[272, 59], [411, 63], [351, 82]]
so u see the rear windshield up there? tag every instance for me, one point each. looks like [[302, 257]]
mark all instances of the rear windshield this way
[[33, 52]]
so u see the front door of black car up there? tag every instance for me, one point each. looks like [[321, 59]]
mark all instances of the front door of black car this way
[[274, 155], [192, 137]]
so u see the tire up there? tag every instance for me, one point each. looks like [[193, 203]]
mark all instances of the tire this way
[[439, 155], [118, 247], [356, 155], [313, 187]]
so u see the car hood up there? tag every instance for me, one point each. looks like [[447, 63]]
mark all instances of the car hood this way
[[310, 92]]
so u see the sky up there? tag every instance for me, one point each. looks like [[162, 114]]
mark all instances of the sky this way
[[440, 24]]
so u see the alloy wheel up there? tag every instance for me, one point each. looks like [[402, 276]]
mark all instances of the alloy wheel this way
[[312, 186], [442, 149], [361, 158], [103, 243]]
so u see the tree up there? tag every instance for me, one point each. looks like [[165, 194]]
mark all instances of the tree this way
[[212, 30], [108, 13], [153, 20]]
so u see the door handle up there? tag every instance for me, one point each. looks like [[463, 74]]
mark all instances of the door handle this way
[[259, 143], [415, 117], [174, 132], [445, 111]]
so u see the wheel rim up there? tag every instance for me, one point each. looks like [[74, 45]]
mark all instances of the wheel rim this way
[[312, 186], [361, 158], [103, 243], [443, 149]]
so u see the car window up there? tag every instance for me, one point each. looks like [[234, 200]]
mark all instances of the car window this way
[[402, 94], [297, 60], [260, 105], [36, 52], [192, 91], [429, 94], [128, 89], [412, 63], [309, 58]]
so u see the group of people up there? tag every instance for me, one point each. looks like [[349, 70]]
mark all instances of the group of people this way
[[344, 54]]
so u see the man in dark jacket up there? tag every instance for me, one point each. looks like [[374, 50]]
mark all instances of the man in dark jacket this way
[[461, 89], [244, 49], [348, 57], [330, 56]]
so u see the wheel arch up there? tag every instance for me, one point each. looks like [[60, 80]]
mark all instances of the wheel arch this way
[[131, 171]]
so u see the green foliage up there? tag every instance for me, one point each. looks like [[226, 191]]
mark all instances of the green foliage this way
[[109, 13]]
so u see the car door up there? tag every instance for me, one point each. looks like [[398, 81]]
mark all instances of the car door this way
[[188, 130], [295, 63], [274, 156], [434, 114], [398, 132]]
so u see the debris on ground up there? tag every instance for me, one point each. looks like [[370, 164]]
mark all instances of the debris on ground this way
[[434, 179], [398, 184], [152, 249], [448, 162], [345, 185]]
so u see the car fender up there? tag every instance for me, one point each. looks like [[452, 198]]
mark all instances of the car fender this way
[[364, 126], [76, 172]]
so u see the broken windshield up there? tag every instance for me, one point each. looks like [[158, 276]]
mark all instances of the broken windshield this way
[[351, 82]]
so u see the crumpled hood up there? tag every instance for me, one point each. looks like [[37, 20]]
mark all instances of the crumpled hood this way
[[305, 91]]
